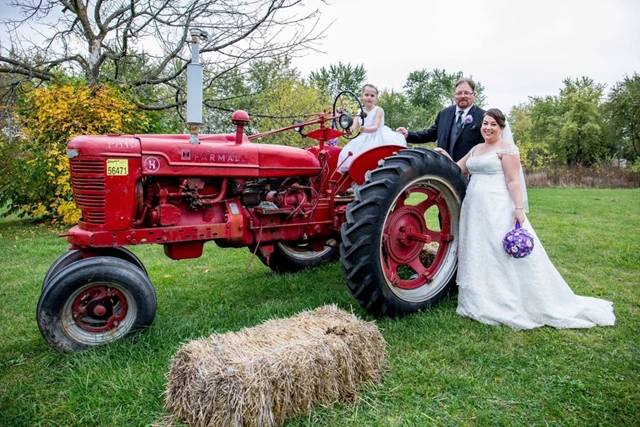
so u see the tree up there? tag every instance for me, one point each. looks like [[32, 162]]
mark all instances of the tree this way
[[433, 90], [398, 111], [582, 129], [135, 45], [570, 128], [534, 151], [271, 91], [339, 77], [35, 179], [624, 114], [280, 96]]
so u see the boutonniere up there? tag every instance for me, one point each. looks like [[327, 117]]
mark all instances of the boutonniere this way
[[469, 120]]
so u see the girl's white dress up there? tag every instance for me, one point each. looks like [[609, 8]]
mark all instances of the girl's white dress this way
[[366, 141], [495, 288]]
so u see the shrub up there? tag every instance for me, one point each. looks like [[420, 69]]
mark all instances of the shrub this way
[[600, 176], [36, 181]]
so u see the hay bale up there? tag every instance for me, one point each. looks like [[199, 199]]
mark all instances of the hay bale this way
[[260, 376]]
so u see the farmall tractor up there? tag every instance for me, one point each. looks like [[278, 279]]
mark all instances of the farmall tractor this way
[[396, 234]]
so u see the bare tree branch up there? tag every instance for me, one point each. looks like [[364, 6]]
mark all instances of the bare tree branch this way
[[143, 45]]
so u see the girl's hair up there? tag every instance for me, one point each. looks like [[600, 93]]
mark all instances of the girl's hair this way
[[497, 115], [371, 86]]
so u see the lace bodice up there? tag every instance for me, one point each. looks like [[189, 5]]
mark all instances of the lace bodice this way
[[490, 162], [489, 166]]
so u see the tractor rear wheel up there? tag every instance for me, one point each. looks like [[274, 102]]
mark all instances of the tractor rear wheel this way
[[95, 301], [399, 240], [74, 255], [291, 258]]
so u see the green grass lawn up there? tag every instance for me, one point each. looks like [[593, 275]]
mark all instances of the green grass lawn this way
[[442, 369]]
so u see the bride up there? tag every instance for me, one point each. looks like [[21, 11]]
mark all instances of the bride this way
[[494, 288]]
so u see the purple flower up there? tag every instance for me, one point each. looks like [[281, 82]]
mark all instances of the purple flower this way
[[518, 243], [468, 119], [332, 142]]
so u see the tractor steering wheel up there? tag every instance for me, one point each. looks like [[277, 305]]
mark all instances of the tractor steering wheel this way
[[347, 102]]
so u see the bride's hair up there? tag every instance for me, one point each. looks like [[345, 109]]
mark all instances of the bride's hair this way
[[497, 115]]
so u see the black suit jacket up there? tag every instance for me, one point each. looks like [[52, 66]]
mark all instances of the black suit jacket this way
[[467, 138]]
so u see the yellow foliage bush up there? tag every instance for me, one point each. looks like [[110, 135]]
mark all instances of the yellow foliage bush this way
[[50, 116]]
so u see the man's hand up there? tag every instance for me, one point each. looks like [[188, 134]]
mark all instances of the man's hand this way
[[442, 151], [403, 131]]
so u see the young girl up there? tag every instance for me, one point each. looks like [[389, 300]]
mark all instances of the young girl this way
[[373, 132]]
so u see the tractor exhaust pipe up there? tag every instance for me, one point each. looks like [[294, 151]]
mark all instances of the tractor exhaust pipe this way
[[194, 86]]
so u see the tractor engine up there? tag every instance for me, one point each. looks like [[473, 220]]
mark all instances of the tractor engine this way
[[164, 189]]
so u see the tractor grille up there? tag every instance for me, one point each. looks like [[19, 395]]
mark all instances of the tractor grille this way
[[88, 181]]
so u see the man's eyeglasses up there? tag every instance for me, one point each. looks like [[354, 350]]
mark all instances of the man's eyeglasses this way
[[463, 93]]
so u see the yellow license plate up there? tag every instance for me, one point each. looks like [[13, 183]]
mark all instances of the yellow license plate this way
[[117, 167]]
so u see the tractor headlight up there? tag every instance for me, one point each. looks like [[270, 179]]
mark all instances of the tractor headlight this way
[[299, 128], [345, 121]]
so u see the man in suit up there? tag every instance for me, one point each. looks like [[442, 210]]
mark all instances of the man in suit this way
[[457, 128]]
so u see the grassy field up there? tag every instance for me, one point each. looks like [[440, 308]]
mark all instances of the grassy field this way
[[441, 369]]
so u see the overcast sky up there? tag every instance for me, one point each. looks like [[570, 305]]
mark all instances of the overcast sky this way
[[515, 48]]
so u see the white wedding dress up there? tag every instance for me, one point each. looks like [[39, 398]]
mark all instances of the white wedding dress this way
[[366, 141], [495, 288]]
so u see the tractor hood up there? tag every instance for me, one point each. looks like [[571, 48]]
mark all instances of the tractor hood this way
[[216, 155]]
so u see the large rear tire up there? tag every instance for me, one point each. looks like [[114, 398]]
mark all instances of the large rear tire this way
[[95, 301], [399, 241]]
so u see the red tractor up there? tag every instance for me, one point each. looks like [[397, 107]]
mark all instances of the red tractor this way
[[396, 234]]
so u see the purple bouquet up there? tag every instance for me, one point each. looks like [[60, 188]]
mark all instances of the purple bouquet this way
[[518, 243]]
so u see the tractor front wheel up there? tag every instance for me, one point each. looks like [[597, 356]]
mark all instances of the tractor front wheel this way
[[95, 301], [74, 255], [399, 241]]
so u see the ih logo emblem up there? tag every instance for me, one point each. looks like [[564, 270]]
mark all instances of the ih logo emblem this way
[[186, 154], [151, 164]]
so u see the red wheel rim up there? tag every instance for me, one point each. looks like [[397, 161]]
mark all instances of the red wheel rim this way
[[406, 232], [99, 308]]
